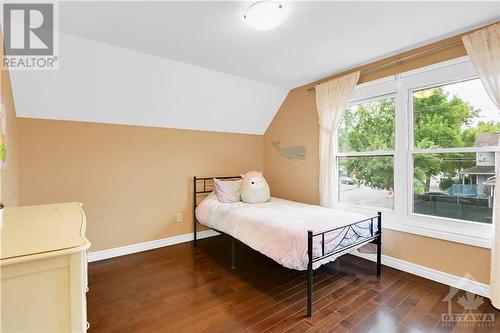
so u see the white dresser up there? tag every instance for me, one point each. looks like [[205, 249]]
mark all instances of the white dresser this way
[[43, 269]]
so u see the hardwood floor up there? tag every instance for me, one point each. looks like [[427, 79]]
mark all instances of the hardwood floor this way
[[177, 289]]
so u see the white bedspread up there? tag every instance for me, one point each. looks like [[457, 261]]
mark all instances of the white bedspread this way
[[278, 228]]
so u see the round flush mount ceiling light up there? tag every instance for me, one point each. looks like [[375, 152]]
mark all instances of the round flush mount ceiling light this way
[[265, 15]]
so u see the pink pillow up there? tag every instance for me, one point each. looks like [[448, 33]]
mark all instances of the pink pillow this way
[[227, 191]]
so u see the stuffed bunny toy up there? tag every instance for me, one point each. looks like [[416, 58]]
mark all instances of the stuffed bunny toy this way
[[254, 188]]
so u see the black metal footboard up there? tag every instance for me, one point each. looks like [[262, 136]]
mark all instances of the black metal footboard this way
[[355, 239]]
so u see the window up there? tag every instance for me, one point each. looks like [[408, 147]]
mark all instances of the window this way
[[421, 147], [366, 143], [454, 116], [449, 180], [453, 185]]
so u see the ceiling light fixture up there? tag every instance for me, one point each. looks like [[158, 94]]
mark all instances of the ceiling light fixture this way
[[265, 15]]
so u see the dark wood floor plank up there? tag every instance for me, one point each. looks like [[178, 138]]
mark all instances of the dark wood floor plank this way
[[355, 317], [320, 308], [318, 304], [386, 317], [301, 327], [178, 289], [289, 299], [342, 308], [419, 310], [298, 308], [347, 304]]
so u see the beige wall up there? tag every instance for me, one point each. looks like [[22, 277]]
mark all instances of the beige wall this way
[[132, 180], [8, 175], [296, 123]]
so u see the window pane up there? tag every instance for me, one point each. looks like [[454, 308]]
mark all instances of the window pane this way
[[368, 126], [455, 115], [367, 181], [458, 185]]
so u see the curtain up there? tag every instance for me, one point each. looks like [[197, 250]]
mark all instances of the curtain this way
[[331, 100], [495, 248], [483, 48]]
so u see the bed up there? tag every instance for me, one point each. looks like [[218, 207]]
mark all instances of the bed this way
[[296, 235]]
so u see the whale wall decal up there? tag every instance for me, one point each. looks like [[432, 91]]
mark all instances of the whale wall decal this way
[[292, 153]]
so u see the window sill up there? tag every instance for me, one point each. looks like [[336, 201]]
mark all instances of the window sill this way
[[469, 233], [468, 236]]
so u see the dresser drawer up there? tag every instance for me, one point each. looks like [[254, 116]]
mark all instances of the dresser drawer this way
[[44, 272]]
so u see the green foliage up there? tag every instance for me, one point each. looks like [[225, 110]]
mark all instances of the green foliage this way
[[428, 165], [440, 121], [469, 135], [446, 183], [376, 172], [419, 181], [368, 127], [3, 152]]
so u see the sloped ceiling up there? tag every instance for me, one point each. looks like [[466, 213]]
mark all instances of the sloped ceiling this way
[[196, 65], [97, 82], [317, 39]]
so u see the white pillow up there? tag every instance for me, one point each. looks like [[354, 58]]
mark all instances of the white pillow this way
[[227, 191]]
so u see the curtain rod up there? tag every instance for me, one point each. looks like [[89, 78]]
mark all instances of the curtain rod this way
[[399, 60]]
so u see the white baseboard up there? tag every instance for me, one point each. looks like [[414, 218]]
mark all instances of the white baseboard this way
[[139, 247], [463, 283]]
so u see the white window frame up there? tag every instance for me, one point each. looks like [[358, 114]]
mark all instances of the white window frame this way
[[373, 153], [402, 217]]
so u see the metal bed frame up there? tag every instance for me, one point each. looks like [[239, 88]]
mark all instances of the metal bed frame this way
[[375, 237]]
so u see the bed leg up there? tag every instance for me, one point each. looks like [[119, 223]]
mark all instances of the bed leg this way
[[379, 243], [195, 236], [195, 240], [310, 273], [233, 253]]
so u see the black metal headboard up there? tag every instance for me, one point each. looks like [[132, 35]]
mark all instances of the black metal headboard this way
[[206, 186]]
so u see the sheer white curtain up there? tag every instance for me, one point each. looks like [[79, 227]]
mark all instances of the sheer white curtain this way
[[483, 48], [331, 100]]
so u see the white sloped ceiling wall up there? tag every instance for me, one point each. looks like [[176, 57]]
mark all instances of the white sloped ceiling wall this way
[[97, 82]]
